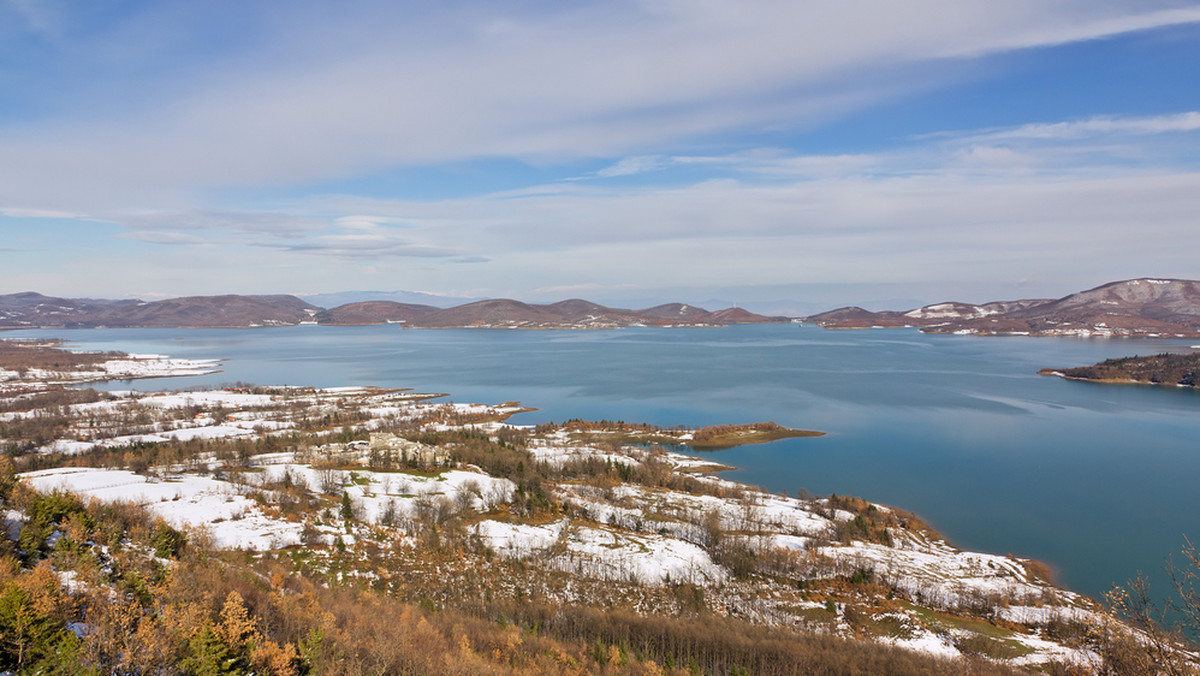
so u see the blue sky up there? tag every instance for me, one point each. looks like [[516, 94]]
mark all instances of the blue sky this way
[[775, 154]]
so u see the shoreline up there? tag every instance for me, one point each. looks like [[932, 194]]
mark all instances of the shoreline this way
[[1113, 381], [725, 437], [610, 513], [734, 437]]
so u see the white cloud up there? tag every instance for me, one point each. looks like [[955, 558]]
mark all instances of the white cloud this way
[[667, 85], [199, 220], [363, 222], [558, 81], [634, 165], [17, 212], [969, 203], [842, 228], [1098, 27], [161, 237], [1088, 128], [362, 245]]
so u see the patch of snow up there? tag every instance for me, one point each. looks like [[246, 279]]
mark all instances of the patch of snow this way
[[926, 642], [605, 553], [67, 447], [1043, 614], [211, 398], [201, 503]]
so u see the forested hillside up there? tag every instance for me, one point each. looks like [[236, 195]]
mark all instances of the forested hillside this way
[[1160, 369]]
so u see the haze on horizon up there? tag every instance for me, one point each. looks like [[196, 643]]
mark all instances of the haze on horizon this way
[[757, 152]]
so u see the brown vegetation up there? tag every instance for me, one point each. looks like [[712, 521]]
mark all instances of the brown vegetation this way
[[227, 613], [22, 355], [715, 437], [726, 436], [443, 602]]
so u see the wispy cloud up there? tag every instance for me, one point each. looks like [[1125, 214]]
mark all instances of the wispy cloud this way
[[362, 238], [634, 165], [17, 212], [277, 145], [361, 249], [196, 220], [1086, 128], [175, 238], [589, 80], [936, 190], [1096, 27]]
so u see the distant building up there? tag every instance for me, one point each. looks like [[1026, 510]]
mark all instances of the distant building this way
[[387, 449], [383, 450]]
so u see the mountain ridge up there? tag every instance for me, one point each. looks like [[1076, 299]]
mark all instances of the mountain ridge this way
[[1143, 307], [34, 310]]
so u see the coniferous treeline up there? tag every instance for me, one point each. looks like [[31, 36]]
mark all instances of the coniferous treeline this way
[[1161, 369], [20, 355]]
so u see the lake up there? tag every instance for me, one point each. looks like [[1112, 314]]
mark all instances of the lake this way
[[1097, 481]]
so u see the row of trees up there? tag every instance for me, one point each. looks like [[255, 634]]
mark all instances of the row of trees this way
[[1162, 369], [20, 356]]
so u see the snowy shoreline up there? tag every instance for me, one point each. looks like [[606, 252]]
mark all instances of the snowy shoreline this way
[[126, 367], [644, 535]]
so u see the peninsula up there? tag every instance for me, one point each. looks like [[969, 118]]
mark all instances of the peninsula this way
[[1178, 370], [279, 528]]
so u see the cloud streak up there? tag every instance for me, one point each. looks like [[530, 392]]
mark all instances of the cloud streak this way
[[1092, 127], [591, 80]]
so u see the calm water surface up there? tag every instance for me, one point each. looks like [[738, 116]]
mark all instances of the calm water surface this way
[[1098, 481]]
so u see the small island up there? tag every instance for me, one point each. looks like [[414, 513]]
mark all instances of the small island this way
[[712, 438], [1180, 370]]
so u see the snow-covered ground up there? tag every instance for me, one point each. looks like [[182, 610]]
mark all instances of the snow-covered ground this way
[[213, 507], [374, 494], [624, 533], [132, 367], [605, 553]]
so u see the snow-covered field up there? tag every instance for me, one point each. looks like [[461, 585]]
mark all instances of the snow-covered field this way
[[132, 367], [215, 508], [605, 553]]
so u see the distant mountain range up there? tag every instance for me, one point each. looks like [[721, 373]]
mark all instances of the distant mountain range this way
[[1134, 308], [24, 310], [1131, 308], [33, 310], [506, 313]]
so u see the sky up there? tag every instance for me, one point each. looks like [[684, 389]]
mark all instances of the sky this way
[[774, 154]]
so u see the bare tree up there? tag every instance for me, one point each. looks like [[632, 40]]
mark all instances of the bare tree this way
[[1157, 644], [329, 480]]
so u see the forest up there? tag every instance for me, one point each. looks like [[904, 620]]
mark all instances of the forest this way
[[1161, 369]]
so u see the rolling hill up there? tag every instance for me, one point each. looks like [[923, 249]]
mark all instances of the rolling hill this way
[[33, 310]]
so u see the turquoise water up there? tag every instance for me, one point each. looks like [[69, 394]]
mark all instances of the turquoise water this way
[[1097, 481]]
